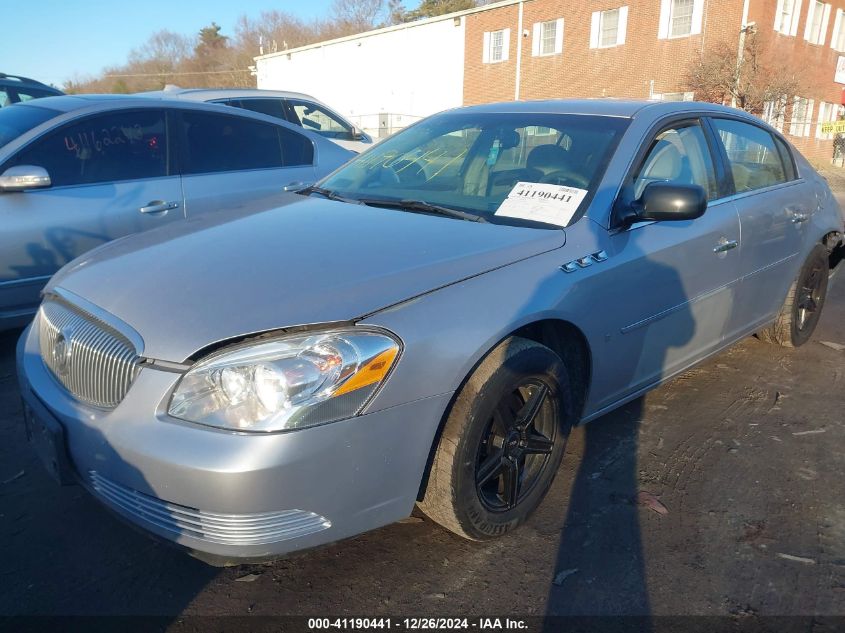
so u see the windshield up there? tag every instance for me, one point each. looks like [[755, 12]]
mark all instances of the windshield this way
[[17, 119], [478, 163]]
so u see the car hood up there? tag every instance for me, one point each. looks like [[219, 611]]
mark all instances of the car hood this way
[[224, 275]]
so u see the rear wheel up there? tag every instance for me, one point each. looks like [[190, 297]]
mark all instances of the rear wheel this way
[[800, 313], [503, 442]]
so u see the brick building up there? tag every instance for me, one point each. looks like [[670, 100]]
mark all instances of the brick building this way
[[537, 49]]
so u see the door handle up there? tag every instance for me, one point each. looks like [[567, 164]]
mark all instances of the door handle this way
[[725, 245], [296, 186], [158, 206]]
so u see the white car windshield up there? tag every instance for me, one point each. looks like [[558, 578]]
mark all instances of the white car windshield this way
[[472, 161]]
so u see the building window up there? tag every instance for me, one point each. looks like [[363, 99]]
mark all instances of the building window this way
[[774, 113], [496, 45], [680, 18], [828, 112], [786, 16], [802, 117], [837, 42], [608, 28], [548, 38], [818, 15]]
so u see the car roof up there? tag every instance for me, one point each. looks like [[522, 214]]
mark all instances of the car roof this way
[[627, 108], [70, 103], [18, 80], [67, 106], [207, 94]]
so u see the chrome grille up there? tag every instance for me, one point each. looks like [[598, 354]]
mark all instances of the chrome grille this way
[[226, 529], [92, 360]]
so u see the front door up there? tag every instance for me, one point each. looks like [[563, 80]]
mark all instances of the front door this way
[[675, 281], [109, 178]]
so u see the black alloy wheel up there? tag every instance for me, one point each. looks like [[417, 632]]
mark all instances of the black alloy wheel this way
[[810, 295], [515, 449]]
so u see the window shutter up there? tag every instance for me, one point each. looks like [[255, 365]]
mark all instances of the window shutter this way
[[623, 26], [559, 36], [825, 22], [595, 26], [663, 29], [697, 17], [809, 124], [808, 28], [535, 41], [506, 44], [837, 24], [778, 11], [796, 16], [485, 55]]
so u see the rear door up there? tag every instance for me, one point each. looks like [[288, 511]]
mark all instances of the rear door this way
[[773, 209], [110, 175], [228, 160]]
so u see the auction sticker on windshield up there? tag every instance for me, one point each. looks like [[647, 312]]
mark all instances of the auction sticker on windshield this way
[[541, 202]]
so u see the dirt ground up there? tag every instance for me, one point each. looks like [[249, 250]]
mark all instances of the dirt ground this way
[[745, 454]]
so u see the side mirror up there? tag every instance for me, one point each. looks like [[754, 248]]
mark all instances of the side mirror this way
[[23, 177], [358, 134], [664, 201]]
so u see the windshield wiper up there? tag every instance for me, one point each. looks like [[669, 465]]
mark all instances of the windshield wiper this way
[[423, 207], [327, 193]]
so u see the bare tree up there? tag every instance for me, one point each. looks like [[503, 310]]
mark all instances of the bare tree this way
[[357, 16], [747, 81], [432, 8]]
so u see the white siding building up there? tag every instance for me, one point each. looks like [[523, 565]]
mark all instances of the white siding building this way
[[380, 80]]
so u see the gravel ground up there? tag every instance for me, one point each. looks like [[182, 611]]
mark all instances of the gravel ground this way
[[719, 493]]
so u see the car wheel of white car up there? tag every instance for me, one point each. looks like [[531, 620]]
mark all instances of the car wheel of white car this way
[[800, 313], [502, 443]]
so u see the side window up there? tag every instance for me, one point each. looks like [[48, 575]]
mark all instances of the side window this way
[[5, 99], [297, 150], [127, 145], [317, 119], [786, 156], [216, 143], [27, 94], [679, 155], [271, 107], [755, 160]]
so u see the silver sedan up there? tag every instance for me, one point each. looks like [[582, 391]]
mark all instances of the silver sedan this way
[[425, 326], [79, 171]]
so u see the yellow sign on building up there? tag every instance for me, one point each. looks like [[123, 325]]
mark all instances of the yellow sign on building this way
[[833, 127]]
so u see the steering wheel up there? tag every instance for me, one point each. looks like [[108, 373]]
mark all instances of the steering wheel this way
[[565, 177], [404, 172]]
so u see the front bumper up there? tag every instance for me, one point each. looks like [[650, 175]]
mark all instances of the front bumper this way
[[232, 497]]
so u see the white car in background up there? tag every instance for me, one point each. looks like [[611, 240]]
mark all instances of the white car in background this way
[[294, 107]]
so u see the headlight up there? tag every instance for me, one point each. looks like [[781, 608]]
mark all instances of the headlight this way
[[290, 382]]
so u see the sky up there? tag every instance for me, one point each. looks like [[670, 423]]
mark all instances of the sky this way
[[56, 40]]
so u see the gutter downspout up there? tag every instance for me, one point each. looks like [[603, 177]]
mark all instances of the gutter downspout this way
[[519, 39]]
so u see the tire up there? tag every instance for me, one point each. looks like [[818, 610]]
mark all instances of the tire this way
[[800, 313], [491, 470]]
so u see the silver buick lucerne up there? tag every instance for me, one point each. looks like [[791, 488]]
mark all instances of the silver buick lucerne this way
[[425, 325]]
